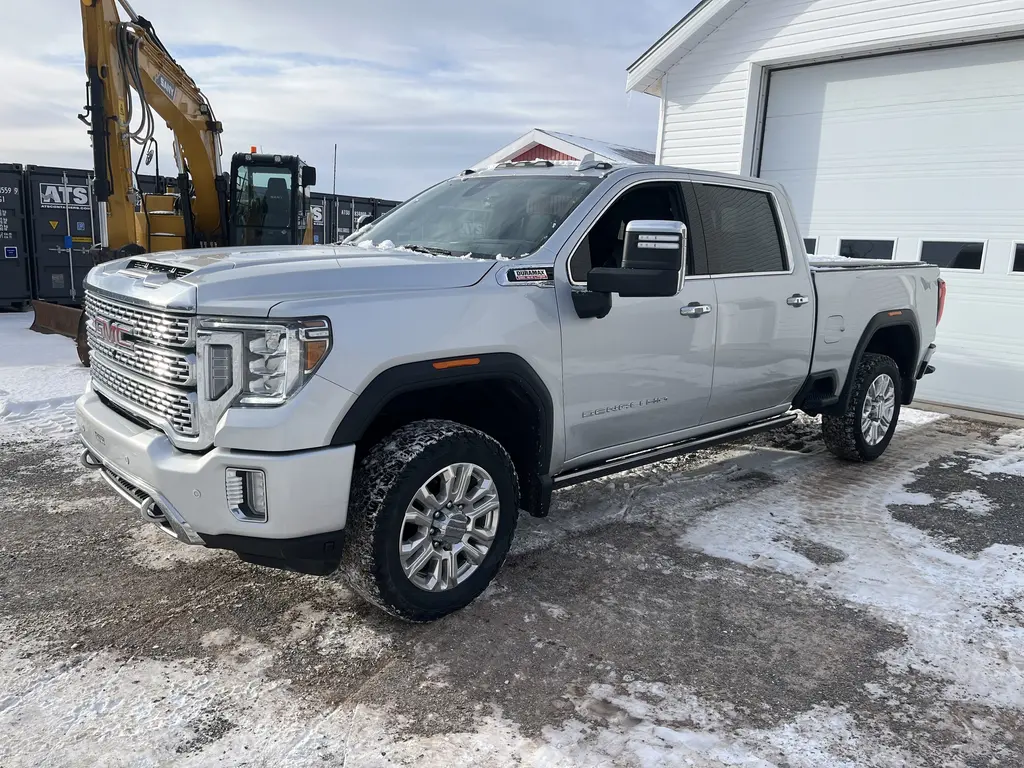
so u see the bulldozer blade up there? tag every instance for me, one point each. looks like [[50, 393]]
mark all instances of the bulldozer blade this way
[[65, 321]]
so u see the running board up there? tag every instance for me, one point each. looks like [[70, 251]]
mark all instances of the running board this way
[[633, 460]]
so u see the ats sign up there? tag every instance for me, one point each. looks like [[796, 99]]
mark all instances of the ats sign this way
[[57, 196]]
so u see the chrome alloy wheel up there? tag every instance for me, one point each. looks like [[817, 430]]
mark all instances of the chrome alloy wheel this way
[[879, 406], [449, 527]]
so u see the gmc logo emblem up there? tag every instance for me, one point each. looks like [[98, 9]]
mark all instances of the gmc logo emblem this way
[[112, 333]]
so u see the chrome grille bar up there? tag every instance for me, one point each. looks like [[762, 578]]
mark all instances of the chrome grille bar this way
[[163, 364], [157, 403], [147, 325]]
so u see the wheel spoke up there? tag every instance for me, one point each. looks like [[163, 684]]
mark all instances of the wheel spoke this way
[[424, 497], [447, 574], [474, 554], [487, 506], [484, 537], [421, 560], [463, 477], [414, 516], [485, 488]]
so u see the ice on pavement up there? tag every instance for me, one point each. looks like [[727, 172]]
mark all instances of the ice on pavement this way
[[40, 379]]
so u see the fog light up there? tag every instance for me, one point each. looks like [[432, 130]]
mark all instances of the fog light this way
[[247, 494]]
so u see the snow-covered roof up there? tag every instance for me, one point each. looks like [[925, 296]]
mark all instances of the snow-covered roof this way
[[646, 72], [571, 145]]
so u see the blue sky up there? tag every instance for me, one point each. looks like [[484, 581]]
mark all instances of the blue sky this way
[[411, 91]]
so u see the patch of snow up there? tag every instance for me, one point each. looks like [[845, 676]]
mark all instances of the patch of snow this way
[[40, 379], [913, 417], [1007, 457], [367, 244], [825, 257], [939, 598], [970, 501], [385, 245]]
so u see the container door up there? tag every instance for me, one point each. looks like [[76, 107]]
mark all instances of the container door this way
[[343, 217], [61, 222], [15, 283]]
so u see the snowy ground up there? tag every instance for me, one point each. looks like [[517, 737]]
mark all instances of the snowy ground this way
[[756, 605]]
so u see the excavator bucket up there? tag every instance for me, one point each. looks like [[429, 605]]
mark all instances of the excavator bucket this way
[[65, 321]]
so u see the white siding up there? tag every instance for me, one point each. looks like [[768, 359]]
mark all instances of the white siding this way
[[911, 147], [707, 94]]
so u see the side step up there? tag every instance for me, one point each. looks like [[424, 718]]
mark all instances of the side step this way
[[652, 455]]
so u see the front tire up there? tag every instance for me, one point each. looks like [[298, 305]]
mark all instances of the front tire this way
[[432, 513], [863, 431]]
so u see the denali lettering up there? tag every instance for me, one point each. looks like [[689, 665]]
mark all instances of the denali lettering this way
[[625, 406]]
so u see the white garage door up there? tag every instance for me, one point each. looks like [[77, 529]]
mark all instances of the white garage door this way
[[920, 154]]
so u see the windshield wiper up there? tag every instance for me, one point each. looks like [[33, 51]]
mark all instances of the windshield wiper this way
[[428, 249]]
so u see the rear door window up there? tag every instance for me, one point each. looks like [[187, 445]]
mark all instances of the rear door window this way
[[741, 230]]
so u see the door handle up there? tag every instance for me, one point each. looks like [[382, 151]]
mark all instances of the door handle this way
[[694, 309], [796, 300]]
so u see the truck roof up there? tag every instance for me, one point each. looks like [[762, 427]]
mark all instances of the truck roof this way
[[586, 168]]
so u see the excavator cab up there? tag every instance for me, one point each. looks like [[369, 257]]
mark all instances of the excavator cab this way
[[269, 200]]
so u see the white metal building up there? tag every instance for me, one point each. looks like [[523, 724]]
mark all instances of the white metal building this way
[[897, 128]]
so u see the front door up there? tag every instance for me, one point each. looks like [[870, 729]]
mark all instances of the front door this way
[[644, 370]]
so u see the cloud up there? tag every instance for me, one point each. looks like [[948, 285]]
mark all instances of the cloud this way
[[410, 91]]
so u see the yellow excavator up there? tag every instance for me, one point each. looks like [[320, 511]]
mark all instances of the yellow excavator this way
[[131, 75]]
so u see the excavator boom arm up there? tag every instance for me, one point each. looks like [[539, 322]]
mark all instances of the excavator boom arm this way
[[124, 56]]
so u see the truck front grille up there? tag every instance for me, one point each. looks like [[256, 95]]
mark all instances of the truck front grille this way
[[147, 325], [144, 361], [170, 366], [161, 403]]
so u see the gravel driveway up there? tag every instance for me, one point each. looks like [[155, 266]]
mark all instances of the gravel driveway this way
[[754, 606]]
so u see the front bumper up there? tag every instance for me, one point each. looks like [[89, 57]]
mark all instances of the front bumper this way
[[185, 493]]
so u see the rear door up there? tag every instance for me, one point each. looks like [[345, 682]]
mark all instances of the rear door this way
[[765, 301]]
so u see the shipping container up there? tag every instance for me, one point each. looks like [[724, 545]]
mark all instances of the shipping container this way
[[60, 216], [320, 211], [15, 273]]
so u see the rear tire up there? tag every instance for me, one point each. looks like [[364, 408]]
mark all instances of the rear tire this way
[[407, 480], [863, 431]]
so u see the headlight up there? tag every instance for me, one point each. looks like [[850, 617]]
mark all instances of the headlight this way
[[277, 357]]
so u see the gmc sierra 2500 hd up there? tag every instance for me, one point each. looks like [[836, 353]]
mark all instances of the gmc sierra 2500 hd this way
[[385, 407]]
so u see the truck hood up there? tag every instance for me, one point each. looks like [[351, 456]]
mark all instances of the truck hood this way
[[249, 281]]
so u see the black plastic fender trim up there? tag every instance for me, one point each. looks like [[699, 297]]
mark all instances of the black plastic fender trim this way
[[422, 375], [886, 319]]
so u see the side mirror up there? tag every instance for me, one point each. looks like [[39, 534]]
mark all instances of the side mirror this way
[[652, 261], [308, 176], [362, 221]]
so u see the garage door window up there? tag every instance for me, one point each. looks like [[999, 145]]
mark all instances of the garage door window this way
[[741, 230], [953, 255], [867, 249], [810, 244], [1018, 257]]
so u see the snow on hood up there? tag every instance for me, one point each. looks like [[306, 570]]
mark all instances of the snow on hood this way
[[250, 280]]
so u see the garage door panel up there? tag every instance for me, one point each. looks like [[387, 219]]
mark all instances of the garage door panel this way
[[912, 147]]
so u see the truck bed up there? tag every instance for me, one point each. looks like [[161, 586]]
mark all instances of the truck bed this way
[[851, 293]]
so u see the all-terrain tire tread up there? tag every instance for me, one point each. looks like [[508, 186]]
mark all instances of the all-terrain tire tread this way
[[376, 478], [840, 431]]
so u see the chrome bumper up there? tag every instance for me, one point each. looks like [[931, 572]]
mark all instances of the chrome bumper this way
[[151, 505]]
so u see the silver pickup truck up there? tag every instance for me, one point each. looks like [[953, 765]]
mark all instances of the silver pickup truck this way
[[385, 407]]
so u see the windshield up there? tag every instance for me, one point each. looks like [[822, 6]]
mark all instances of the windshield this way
[[262, 205], [498, 217]]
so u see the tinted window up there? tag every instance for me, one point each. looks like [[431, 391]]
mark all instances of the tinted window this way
[[866, 249], [741, 232], [810, 244], [1018, 258], [603, 246], [953, 255]]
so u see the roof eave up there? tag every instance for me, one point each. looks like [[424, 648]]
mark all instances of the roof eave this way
[[646, 72]]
